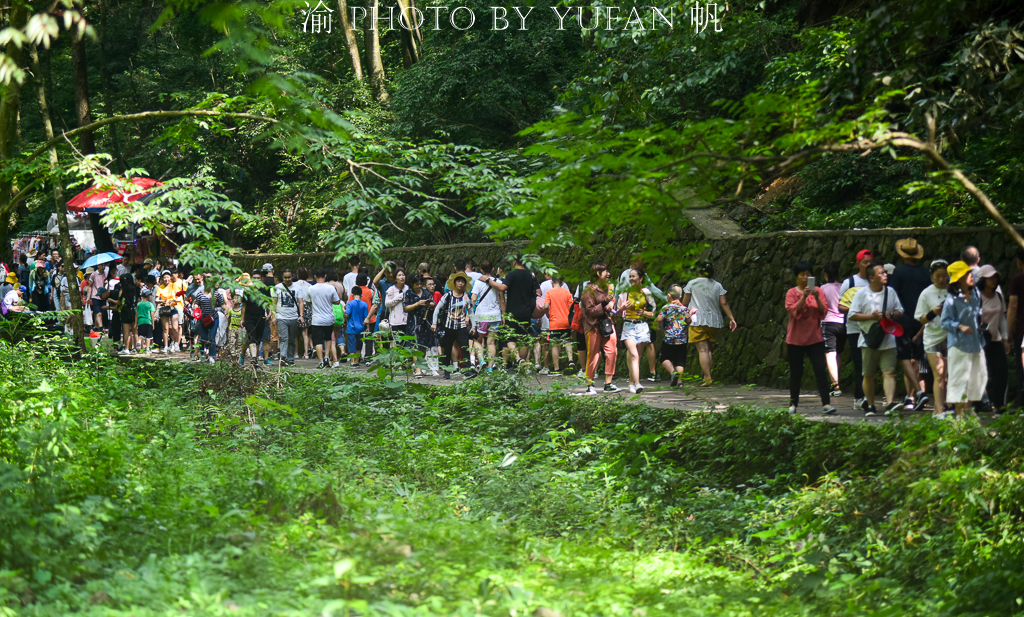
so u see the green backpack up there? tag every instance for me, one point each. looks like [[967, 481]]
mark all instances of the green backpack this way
[[339, 315]]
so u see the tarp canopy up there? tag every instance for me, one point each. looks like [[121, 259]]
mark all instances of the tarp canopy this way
[[94, 200]]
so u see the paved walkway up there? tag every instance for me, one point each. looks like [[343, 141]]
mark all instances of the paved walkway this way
[[657, 394]]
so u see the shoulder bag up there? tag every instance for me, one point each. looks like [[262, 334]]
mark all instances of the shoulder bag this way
[[875, 334]]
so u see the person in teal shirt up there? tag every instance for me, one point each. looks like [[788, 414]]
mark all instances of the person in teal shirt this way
[[144, 319]]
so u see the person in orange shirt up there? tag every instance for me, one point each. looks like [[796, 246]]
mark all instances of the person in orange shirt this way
[[557, 302]]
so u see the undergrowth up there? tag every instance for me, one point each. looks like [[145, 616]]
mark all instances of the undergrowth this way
[[155, 489]]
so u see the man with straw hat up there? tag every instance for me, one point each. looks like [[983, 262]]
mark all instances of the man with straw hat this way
[[909, 280], [961, 319]]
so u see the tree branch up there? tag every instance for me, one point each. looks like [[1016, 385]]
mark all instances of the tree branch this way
[[145, 115]]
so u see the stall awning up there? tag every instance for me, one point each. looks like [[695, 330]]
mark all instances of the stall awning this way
[[94, 200]]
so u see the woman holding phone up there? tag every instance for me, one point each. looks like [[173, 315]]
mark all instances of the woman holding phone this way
[[806, 306]]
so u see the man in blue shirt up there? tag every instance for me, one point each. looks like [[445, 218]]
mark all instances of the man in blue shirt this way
[[356, 316]]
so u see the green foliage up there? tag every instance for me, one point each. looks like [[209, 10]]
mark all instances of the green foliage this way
[[156, 488]]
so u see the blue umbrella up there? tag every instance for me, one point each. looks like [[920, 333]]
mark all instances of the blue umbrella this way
[[100, 258]]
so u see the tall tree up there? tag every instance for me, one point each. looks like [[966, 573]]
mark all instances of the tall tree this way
[[86, 141], [62, 206], [350, 40], [373, 55], [410, 54], [10, 106], [101, 55]]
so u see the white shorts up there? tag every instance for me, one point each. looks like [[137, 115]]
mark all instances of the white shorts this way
[[967, 376], [638, 332]]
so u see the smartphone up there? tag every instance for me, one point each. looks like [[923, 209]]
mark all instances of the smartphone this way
[[810, 283]]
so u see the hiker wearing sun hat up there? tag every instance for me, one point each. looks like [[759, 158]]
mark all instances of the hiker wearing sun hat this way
[[908, 280], [961, 319]]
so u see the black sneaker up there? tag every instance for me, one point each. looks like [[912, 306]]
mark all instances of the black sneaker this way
[[470, 374], [324, 364], [610, 387], [828, 410], [870, 411], [908, 403], [653, 377], [922, 400], [860, 404], [893, 409], [447, 375], [675, 380], [555, 374]]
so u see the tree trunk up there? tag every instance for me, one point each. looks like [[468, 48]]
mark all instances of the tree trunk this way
[[75, 319], [410, 55], [373, 55], [87, 143], [10, 105], [101, 32], [350, 41]]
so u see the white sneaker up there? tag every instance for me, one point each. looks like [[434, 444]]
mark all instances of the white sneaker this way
[[336, 365], [591, 390], [434, 373], [544, 371], [164, 350], [581, 374], [639, 388], [212, 361], [632, 389]]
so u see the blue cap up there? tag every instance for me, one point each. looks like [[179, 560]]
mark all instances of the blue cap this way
[[22, 289]]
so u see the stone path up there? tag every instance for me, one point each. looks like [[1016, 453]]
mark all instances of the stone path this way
[[657, 394]]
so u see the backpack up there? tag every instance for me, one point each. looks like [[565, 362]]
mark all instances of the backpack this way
[[339, 314]]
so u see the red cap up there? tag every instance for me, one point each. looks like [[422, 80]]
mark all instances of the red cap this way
[[891, 327], [864, 253]]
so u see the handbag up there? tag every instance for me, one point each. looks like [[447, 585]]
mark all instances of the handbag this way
[[876, 334], [165, 311], [606, 327]]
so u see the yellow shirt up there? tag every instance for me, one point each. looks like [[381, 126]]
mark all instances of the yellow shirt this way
[[639, 300], [169, 295]]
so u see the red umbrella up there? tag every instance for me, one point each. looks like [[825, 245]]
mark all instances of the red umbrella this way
[[94, 200]]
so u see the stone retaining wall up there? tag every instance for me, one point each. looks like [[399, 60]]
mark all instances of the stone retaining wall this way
[[755, 269]]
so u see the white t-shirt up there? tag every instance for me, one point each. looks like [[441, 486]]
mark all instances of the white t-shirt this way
[[349, 281], [474, 275], [287, 306], [545, 287], [300, 288], [867, 301], [489, 308], [931, 297], [322, 298], [11, 299], [704, 295], [851, 327]]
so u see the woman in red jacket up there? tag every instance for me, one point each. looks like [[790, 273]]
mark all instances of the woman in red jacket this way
[[806, 308]]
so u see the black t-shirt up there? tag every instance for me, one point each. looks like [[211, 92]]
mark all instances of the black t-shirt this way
[[254, 313], [908, 282], [129, 298], [521, 296]]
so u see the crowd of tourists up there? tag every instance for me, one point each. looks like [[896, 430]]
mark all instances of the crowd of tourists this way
[[947, 325], [477, 319]]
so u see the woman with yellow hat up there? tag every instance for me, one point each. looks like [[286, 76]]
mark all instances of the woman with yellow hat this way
[[961, 319]]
